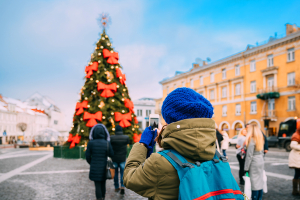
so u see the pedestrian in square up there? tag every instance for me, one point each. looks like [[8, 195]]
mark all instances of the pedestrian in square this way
[[190, 131], [119, 143], [239, 154], [225, 142], [294, 160], [98, 149], [254, 163]]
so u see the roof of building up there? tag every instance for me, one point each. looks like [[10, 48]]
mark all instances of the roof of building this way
[[251, 50], [145, 101]]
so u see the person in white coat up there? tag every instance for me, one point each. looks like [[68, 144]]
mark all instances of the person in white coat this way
[[294, 160], [225, 142]]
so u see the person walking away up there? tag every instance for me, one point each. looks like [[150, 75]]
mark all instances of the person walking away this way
[[239, 154], [294, 160], [254, 163], [119, 143], [98, 149], [190, 131], [225, 142]]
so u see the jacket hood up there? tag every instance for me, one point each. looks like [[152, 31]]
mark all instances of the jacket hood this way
[[192, 138], [99, 133]]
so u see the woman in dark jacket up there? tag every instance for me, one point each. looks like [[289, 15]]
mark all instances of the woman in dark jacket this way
[[98, 149]]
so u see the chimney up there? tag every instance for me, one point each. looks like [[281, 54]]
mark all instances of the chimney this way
[[289, 29], [195, 65]]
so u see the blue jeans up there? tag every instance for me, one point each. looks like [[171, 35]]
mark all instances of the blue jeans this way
[[120, 165], [224, 152], [257, 194]]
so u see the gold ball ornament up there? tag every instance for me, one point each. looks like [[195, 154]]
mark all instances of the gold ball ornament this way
[[124, 89], [99, 61], [103, 38], [113, 129], [109, 80], [123, 99], [111, 51], [98, 71], [120, 77], [132, 129], [113, 100], [99, 54], [117, 67], [123, 111], [91, 79], [112, 67], [108, 44], [103, 117], [81, 119], [97, 81], [118, 86], [85, 98], [82, 130], [112, 113], [101, 47], [106, 36], [88, 106]]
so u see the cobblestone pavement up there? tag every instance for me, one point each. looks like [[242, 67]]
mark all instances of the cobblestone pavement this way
[[68, 179]]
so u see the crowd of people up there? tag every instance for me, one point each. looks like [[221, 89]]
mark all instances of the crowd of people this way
[[189, 131]]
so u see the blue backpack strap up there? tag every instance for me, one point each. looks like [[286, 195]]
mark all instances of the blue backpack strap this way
[[178, 161]]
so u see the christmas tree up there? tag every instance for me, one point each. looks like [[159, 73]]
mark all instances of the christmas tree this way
[[104, 96]]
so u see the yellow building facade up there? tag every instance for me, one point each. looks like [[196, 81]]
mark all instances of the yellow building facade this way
[[259, 85]]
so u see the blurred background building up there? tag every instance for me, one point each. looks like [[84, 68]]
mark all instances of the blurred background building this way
[[259, 85], [143, 108], [23, 121]]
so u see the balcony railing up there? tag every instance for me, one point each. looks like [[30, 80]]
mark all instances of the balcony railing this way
[[268, 93], [270, 114]]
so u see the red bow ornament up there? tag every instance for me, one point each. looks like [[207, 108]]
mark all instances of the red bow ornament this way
[[136, 137], [92, 118], [123, 119], [74, 140], [128, 104], [81, 106], [108, 90], [89, 69], [121, 76], [136, 120], [112, 57]]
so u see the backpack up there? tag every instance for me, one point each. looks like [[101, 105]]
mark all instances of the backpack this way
[[210, 180]]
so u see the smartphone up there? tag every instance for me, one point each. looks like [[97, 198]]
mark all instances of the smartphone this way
[[154, 120]]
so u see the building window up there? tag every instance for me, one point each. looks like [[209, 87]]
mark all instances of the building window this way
[[238, 109], [253, 87], [191, 83], [292, 103], [139, 113], [224, 92], [224, 110], [270, 61], [182, 84], [212, 94], [291, 78], [167, 89], [212, 77], [237, 70], [238, 89], [252, 66], [223, 73], [201, 80], [148, 112], [140, 125], [55, 122], [271, 104], [291, 55], [253, 107]]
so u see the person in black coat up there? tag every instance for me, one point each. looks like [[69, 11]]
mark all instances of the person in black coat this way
[[98, 149], [119, 144]]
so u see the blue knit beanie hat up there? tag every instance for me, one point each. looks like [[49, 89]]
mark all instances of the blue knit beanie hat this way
[[185, 103]]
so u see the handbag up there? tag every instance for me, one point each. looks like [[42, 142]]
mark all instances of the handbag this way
[[110, 169], [247, 188]]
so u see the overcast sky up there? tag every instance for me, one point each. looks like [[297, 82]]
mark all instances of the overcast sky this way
[[46, 44]]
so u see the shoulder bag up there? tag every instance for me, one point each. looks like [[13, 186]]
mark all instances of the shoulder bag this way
[[110, 169]]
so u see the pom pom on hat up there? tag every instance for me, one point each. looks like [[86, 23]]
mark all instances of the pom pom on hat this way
[[185, 103]]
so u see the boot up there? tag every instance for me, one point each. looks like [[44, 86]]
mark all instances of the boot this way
[[122, 191], [295, 187]]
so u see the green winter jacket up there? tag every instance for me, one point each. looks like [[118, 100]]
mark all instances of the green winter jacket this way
[[155, 177]]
